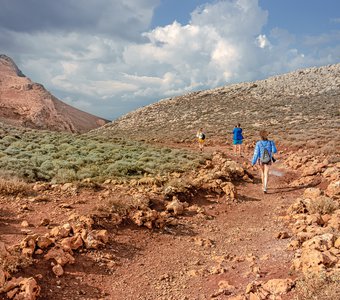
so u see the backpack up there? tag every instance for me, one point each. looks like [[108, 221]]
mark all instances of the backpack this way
[[265, 157], [202, 136]]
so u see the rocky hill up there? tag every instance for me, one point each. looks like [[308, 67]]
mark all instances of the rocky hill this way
[[29, 104], [299, 107]]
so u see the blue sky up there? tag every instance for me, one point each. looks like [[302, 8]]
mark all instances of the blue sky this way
[[109, 57]]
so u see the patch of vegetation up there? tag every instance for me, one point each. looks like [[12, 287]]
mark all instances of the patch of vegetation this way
[[322, 205], [13, 186], [319, 286], [61, 157]]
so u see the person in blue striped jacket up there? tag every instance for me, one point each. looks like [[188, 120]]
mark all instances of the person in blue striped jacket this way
[[263, 156]]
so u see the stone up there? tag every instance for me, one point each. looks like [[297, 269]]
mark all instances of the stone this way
[[60, 256], [58, 270], [95, 238], [312, 193], [333, 189], [3, 277], [45, 222], [24, 224], [337, 243], [22, 289], [282, 235], [175, 206], [278, 286], [43, 242], [72, 243], [230, 190], [61, 231]]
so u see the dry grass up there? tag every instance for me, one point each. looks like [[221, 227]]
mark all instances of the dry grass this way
[[319, 287], [14, 187], [322, 205], [12, 261], [122, 206]]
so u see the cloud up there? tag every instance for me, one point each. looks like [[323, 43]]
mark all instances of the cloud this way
[[107, 61], [322, 39], [100, 17], [335, 20]]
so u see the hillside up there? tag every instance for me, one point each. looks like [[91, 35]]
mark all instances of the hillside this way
[[93, 216], [298, 108], [29, 104]]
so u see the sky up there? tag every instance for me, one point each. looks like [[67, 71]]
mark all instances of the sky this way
[[109, 57]]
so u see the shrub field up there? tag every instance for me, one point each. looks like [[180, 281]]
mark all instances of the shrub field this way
[[61, 157]]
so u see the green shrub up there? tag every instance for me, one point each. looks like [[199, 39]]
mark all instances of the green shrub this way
[[62, 157], [64, 175]]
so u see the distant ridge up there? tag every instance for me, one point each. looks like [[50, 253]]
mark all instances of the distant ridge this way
[[303, 100], [29, 104]]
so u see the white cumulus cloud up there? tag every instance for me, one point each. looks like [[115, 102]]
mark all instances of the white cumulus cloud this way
[[107, 61]]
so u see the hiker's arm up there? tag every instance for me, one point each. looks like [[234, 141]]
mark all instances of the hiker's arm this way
[[274, 150], [256, 154]]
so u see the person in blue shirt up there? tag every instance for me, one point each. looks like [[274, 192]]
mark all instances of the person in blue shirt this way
[[263, 156], [237, 139]]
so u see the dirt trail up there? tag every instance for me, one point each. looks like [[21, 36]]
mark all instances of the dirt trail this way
[[236, 243], [231, 242]]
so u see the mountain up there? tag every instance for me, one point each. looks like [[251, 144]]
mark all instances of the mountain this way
[[29, 104], [299, 106]]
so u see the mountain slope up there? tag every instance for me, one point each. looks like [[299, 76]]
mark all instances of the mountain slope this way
[[296, 106], [29, 104]]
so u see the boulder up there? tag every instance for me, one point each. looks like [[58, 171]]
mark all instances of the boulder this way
[[72, 243], [43, 242], [60, 256], [312, 193], [333, 189], [95, 238], [22, 289], [230, 191], [278, 286], [321, 242], [58, 270], [175, 206], [61, 231]]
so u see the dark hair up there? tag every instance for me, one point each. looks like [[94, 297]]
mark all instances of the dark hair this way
[[238, 125]]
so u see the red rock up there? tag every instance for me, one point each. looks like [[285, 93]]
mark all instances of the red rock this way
[[25, 103]]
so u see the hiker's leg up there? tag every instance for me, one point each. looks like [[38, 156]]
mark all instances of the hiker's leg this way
[[235, 149], [239, 149], [262, 174], [266, 173], [201, 143]]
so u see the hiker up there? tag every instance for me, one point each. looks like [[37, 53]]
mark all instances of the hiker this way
[[200, 138], [237, 139], [263, 155]]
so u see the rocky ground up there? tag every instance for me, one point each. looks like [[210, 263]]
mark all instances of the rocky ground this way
[[300, 108], [214, 235]]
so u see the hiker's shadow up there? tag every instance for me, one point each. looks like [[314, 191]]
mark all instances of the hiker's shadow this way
[[244, 198], [179, 230], [287, 189]]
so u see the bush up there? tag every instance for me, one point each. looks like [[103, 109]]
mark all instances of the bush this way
[[319, 287], [322, 205], [62, 157], [64, 175], [14, 187]]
